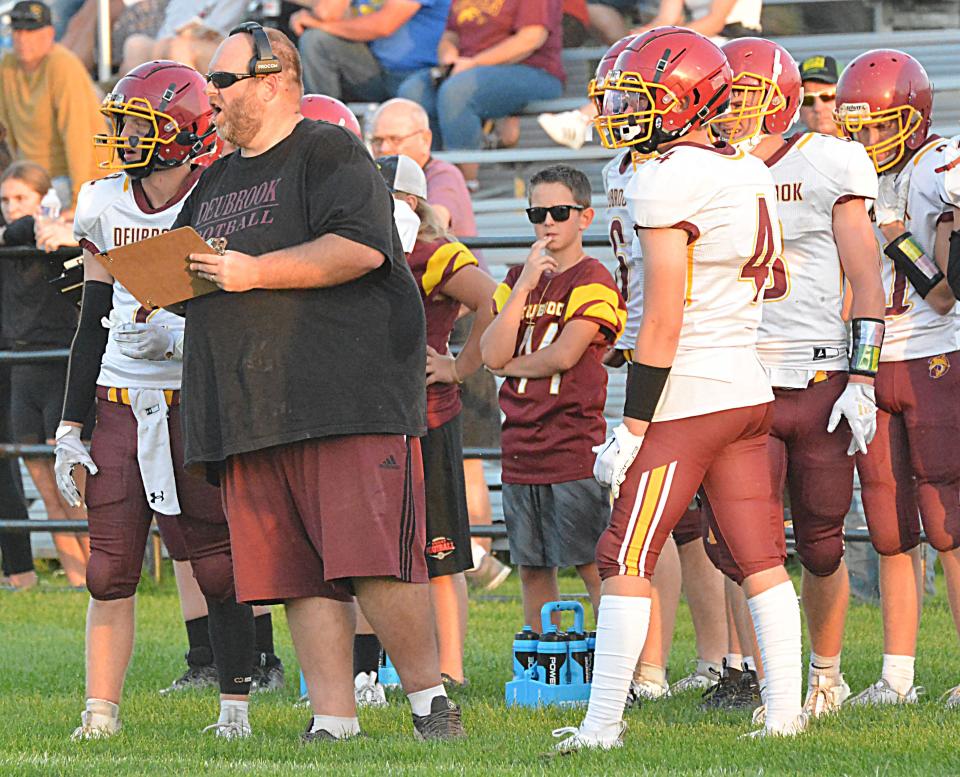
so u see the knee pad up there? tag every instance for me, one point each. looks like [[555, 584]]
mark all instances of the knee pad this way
[[892, 544], [214, 575], [821, 558], [720, 557], [942, 540], [105, 582]]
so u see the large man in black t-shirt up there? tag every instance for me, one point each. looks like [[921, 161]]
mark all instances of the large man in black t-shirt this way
[[303, 388]]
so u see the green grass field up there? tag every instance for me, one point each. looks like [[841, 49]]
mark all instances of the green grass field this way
[[41, 696]]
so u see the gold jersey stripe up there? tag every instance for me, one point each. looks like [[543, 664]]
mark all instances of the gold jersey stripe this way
[[500, 296], [604, 303], [437, 264], [651, 498]]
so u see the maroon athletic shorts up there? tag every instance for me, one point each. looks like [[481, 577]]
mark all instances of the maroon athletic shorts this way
[[307, 517], [690, 527], [119, 510], [727, 452], [913, 464]]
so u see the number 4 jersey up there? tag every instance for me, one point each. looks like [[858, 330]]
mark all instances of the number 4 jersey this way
[[726, 202], [552, 423], [802, 329]]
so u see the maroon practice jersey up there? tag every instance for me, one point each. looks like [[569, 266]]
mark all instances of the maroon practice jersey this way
[[433, 264], [552, 423]]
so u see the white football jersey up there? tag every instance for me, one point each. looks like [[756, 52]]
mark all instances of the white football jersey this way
[[112, 212], [726, 201], [802, 330], [623, 240], [914, 329]]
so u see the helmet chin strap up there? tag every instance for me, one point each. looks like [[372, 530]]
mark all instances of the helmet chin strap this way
[[749, 144]]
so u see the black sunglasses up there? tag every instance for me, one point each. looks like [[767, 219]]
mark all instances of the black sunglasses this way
[[221, 79], [557, 213]]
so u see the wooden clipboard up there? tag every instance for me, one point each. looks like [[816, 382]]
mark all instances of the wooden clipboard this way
[[156, 270]]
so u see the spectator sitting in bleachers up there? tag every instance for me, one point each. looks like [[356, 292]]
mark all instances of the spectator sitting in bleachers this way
[[36, 317], [48, 103], [820, 75], [190, 33], [357, 50], [491, 65], [719, 20], [127, 18]]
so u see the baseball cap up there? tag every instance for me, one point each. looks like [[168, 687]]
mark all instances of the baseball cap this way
[[403, 175], [820, 68], [30, 15]]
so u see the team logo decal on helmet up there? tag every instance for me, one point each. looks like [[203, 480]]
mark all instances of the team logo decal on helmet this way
[[884, 101], [664, 84], [767, 91], [171, 98]]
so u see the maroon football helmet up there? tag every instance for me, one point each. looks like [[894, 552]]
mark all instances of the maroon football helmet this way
[[172, 98], [319, 107]]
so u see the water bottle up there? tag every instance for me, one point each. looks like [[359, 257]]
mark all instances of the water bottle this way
[[49, 207], [552, 651], [591, 656], [578, 656], [524, 651]]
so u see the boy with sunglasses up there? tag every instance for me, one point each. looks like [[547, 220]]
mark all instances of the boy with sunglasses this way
[[556, 315]]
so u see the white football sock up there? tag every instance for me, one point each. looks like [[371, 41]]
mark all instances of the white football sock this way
[[898, 672], [102, 714], [622, 625], [750, 663], [651, 673], [734, 660], [824, 666], [776, 620], [420, 700], [234, 711], [341, 728], [704, 667], [478, 552]]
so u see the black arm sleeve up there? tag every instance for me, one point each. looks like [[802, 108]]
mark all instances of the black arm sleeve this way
[[86, 351]]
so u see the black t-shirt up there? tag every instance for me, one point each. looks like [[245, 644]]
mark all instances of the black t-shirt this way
[[268, 367], [34, 313]]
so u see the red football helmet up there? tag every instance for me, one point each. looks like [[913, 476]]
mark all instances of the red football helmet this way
[[172, 98], [319, 107], [767, 90], [886, 95], [665, 83], [595, 87]]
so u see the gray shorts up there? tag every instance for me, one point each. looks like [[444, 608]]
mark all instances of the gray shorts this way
[[555, 525]]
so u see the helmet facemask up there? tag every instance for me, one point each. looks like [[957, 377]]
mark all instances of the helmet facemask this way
[[887, 152], [633, 111]]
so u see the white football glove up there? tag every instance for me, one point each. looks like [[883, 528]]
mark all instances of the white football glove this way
[[614, 458], [70, 451], [891, 202], [858, 404], [145, 341]]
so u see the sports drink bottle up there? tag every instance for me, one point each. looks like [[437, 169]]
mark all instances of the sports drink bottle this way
[[524, 651]]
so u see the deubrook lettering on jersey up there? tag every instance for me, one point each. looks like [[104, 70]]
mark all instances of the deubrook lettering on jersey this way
[[124, 235], [789, 192], [544, 308], [616, 199]]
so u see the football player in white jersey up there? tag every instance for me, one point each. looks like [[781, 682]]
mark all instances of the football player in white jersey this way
[[698, 403], [130, 358], [884, 101], [825, 186]]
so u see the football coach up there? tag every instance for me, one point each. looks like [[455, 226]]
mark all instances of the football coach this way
[[303, 384]]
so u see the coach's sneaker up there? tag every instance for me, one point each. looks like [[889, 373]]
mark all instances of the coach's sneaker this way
[[268, 674], [645, 690], [576, 740], [881, 692], [796, 726], [951, 699], [695, 681], [718, 695], [197, 677], [488, 574], [367, 691], [101, 719], [315, 734], [825, 695], [443, 722]]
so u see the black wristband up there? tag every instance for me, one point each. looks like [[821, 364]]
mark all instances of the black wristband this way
[[644, 388], [86, 351], [865, 343], [953, 264], [909, 258]]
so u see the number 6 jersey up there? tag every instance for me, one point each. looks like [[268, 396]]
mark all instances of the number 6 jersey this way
[[552, 423], [725, 200]]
